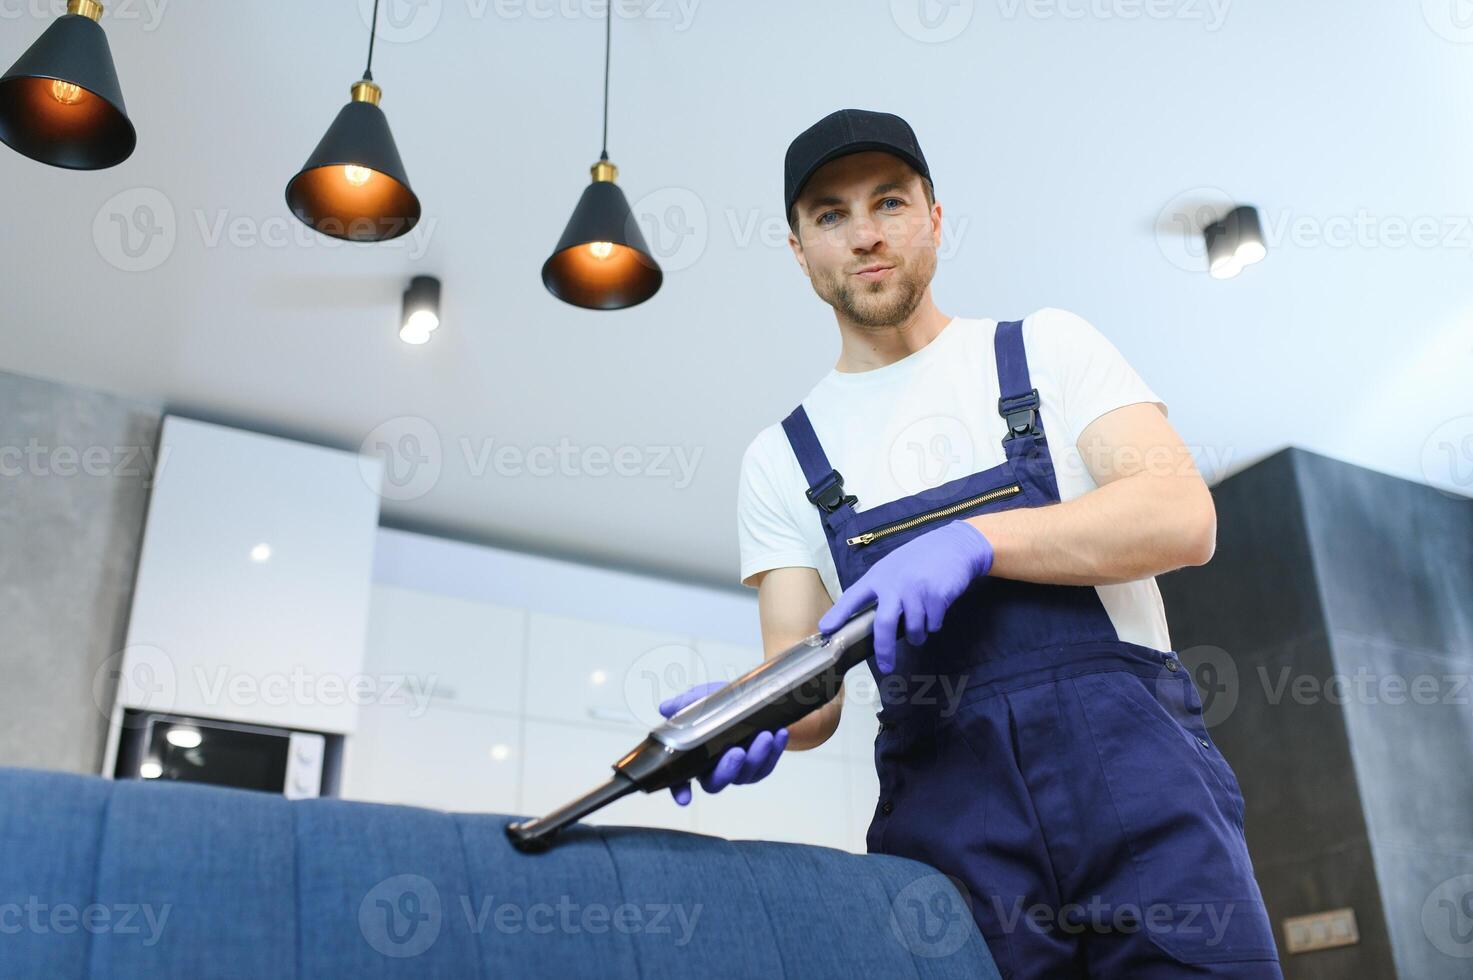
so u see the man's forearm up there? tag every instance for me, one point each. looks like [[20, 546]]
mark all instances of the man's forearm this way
[[1128, 529]]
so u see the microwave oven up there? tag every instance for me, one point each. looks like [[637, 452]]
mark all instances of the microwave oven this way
[[221, 753]]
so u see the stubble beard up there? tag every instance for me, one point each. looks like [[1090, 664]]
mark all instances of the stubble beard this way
[[880, 305]]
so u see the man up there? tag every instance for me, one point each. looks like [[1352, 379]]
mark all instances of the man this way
[[1004, 493]]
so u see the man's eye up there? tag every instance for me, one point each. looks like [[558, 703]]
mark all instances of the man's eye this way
[[898, 201], [822, 219]]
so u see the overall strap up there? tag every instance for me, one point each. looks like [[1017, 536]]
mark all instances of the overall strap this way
[[1019, 402], [825, 484]]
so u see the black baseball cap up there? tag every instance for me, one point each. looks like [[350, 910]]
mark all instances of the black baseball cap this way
[[843, 132]]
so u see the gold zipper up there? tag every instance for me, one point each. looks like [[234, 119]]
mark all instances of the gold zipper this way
[[932, 515]]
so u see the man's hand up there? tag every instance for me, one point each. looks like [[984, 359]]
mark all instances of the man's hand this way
[[918, 580], [737, 764]]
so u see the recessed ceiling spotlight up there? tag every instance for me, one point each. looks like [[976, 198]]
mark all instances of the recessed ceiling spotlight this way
[[1234, 241], [421, 310]]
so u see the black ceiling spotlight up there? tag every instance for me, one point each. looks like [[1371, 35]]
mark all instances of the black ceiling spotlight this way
[[421, 310], [602, 261], [61, 103], [1234, 241], [353, 186]]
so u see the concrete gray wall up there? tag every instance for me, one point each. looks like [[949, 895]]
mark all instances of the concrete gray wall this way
[[1332, 587], [75, 468]]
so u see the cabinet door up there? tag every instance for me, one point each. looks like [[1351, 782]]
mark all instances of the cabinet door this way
[[251, 596], [580, 671], [442, 758], [564, 761], [805, 800], [447, 650]]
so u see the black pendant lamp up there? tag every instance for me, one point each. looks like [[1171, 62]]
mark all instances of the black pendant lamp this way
[[602, 261], [61, 103], [353, 186]]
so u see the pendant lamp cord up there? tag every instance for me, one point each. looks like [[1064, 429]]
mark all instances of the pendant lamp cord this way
[[372, 35], [608, 32]]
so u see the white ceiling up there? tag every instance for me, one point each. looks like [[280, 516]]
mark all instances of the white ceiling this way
[[1060, 134]]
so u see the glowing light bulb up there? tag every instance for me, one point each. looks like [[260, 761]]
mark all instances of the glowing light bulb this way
[[357, 176], [150, 770], [422, 321], [600, 250], [66, 93], [184, 738]]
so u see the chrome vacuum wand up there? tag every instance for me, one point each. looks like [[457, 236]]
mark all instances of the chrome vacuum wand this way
[[775, 693]]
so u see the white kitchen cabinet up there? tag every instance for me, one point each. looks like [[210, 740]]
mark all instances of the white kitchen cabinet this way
[[445, 650], [442, 757], [252, 591], [580, 671], [804, 800], [514, 663]]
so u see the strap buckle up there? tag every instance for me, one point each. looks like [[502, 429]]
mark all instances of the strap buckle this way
[[1021, 413], [828, 494]]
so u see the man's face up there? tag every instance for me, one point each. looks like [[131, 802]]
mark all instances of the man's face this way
[[860, 212]]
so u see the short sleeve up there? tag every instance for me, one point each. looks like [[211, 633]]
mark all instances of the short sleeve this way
[[767, 535], [1094, 377]]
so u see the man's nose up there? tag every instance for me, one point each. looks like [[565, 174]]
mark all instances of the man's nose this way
[[864, 234]]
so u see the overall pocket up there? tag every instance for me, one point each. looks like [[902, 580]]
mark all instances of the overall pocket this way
[[1198, 900]]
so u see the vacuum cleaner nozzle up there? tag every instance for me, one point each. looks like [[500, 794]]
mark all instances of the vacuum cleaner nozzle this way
[[535, 835], [777, 692]]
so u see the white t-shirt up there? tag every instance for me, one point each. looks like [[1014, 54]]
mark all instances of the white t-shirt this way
[[929, 418]]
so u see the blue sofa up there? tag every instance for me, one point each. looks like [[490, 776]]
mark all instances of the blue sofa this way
[[121, 880]]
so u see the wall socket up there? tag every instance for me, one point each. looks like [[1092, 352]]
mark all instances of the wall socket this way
[[1323, 930]]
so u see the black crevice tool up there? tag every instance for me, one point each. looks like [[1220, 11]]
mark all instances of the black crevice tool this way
[[775, 693]]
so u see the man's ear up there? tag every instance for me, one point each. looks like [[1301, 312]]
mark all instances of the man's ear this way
[[936, 225], [797, 247]]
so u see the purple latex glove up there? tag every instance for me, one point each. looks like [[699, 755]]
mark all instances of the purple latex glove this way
[[918, 580], [736, 765]]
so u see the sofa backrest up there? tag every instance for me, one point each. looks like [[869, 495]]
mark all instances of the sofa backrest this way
[[128, 879]]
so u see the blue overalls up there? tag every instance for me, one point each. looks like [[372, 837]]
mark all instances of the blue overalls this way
[[1063, 777]]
